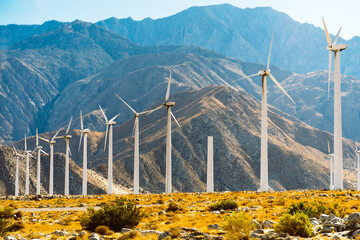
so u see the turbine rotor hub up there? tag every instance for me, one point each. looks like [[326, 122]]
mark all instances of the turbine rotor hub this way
[[169, 104]]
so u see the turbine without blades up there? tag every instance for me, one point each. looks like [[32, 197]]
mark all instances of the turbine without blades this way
[[264, 181], [338, 152], [136, 144], [51, 142], [16, 157], [109, 129], [27, 175], [84, 132], [168, 105], [67, 138]]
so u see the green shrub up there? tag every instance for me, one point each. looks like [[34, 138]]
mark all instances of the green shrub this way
[[238, 226], [131, 235], [295, 225], [6, 212], [173, 207], [315, 209], [117, 215], [224, 205], [16, 226], [102, 230]]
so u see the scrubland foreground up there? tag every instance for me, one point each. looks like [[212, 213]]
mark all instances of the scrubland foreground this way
[[225, 215]]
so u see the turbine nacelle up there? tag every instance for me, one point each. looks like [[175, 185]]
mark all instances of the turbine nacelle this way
[[67, 136], [169, 104], [264, 72], [110, 123], [39, 147], [85, 131], [52, 142], [337, 47]]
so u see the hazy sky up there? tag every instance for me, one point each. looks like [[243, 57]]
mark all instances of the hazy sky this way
[[336, 13]]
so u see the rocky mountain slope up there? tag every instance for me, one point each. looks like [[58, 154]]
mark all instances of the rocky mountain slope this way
[[241, 33], [296, 150]]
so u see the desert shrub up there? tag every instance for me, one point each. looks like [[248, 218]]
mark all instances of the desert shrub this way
[[16, 226], [224, 205], [117, 215], [238, 226], [316, 208], [131, 235], [102, 230], [18, 215], [295, 225], [6, 212], [173, 207]]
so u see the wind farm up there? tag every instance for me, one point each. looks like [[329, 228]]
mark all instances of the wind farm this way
[[102, 89]]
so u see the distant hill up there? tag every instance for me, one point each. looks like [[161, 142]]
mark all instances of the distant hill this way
[[242, 33]]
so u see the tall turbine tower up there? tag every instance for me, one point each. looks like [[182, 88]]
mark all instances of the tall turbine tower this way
[[109, 128], [264, 179], [39, 151], [51, 174], [338, 153], [136, 145], [168, 105], [357, 158], [67, 138], [27, 175], [17, 155], [84, 132], [331, 159]]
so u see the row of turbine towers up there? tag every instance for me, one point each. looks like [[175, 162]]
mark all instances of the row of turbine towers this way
[[336, 161]]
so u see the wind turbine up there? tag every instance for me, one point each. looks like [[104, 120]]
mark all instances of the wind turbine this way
[[136, 145], [357, 158], [264, 180], [168, 105], [338, 153], [17, 155], [331, 159], [39, 151], [27, 175], [109, 128], [51, 144], [67, 138], [84, 132]]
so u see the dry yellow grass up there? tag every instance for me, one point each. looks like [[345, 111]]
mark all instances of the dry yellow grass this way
[[195, 209]]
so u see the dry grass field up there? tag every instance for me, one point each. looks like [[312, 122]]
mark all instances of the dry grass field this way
[[194, 213]]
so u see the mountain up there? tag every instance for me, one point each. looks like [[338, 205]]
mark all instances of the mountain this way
[[96, 184], [296, 150], [241, 33]]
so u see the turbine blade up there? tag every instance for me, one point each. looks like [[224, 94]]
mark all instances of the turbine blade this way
[[106, 134], [81, 121], [114, 118], [328, 38], [168, 89], [174, 118], [44, 139], [268, 62], [256, 74], [25, 143], [153, 110], [52, 139], [328, 147], [329, 78], [68, 128], [80, 141], [337, 36], [133, 131], [31, 155], [125, 103], [44, 152], [70, 151], [37, 138], [102, 111], [14, 148], [278, 84]]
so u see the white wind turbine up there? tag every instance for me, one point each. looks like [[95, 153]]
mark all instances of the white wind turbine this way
[[17, 155], [331, 159], [136, 145], [357, 158], [338, 153], [168, 105], [109, 128], [67, 138], [264, 180], [51, 174], [39, 151], [84, 132], [27, 174]]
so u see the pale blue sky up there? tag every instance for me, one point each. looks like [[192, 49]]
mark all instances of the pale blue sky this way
[[337, 13]]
